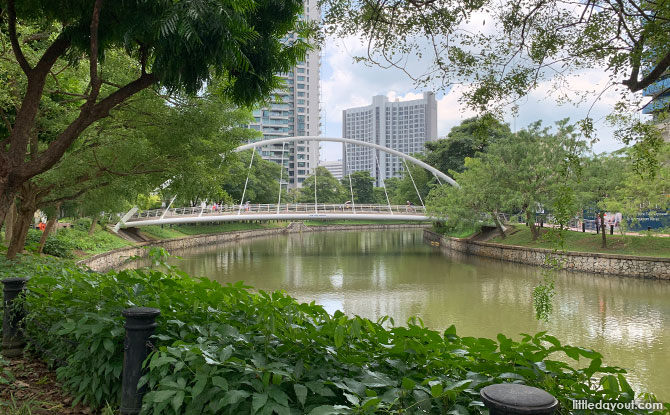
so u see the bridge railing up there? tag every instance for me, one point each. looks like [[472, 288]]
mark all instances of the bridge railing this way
[[282, 208]]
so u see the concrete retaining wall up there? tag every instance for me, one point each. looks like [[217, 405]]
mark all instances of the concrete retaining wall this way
[[111, 259], [627, 265]]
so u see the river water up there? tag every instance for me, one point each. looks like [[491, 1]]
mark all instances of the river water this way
[[396, 273]]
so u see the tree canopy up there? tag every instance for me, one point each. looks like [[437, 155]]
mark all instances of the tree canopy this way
[[176, 46], [500, 51], [362, 186], [465, 140], [328, 188], [519, 173]]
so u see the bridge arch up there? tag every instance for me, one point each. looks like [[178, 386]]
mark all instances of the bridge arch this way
[[411, 159]]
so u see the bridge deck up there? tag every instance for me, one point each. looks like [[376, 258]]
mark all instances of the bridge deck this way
[[291, 211]]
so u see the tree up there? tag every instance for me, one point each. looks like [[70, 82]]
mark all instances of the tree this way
[[328, 188], [419, 179], [176, 46], [465, 140], [521, 172], [137, 151], [478, 196], [601, 177], [362, 186], [263, 184], [502, 51]]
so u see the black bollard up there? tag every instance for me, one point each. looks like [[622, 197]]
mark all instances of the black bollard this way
[[516, 399], [12, 337], [541, 222], [140, 324], [611, 229], [648, 228], [583, 227]]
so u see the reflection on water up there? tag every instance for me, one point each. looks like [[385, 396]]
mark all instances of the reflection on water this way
[[395, 273]]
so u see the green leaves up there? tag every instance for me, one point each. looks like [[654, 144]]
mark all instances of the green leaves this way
[[217, 354]]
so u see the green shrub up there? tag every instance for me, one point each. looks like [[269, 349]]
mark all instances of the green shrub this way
[[227, 350], [56, 244], [82, 224]]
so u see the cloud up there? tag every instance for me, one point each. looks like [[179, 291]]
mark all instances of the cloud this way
[[347, 84]]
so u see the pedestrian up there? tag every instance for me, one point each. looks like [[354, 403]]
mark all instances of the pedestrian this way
[[246, 206], [214, 207]]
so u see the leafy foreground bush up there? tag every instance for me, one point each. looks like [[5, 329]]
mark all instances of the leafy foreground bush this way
[[226, 350]]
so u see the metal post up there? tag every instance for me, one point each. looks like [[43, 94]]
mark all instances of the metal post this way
[[583, 226], [140, 324], [611, 229], [516, 399], [12, 337]]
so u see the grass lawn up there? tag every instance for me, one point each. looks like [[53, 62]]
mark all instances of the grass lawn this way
[[590, 242], [456, 233]]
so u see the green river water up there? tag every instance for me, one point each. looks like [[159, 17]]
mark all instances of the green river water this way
[[397, 273]]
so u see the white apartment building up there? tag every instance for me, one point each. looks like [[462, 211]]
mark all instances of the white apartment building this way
[[334, 167], [402, 126], [295, 111]]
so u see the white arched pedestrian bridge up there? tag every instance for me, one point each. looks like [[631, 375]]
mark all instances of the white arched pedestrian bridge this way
[[292, 211]]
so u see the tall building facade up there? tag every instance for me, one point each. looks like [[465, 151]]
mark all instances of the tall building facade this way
[[294, 111], [402, 126], [659, 106]]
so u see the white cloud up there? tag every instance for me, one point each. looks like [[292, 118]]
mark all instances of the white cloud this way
[[348, 84]]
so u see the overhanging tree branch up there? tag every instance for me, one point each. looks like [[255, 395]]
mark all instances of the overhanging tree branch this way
[[87, 117], [16, 47]]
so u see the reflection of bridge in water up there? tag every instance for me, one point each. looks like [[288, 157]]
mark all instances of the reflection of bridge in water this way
[[287, 211]]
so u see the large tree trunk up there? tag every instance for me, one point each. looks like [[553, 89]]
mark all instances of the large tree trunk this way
[[50, 225], [53, 220], [501, 231], [94, 221], [534, 232], [26, 208], [6, 205], [9, 222], [603, 229]]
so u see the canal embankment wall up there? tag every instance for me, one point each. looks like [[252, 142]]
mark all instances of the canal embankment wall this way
[[625, 265], [112, 259]]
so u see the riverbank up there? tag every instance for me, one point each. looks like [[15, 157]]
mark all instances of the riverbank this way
[[635, 245], [638, 266]]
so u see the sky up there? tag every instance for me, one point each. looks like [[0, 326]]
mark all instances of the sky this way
[[347, 84]]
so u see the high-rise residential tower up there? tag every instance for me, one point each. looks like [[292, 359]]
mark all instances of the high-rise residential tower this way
[[403, 126], [294, 111]]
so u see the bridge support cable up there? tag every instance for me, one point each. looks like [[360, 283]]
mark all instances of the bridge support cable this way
[[438, 179], [414, 183], [379, 169], [281, 174], [351, 188], [244, 192], [168, 207]]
